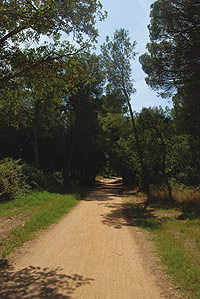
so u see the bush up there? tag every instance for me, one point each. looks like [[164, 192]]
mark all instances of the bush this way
[[37, 178], [18, 177], [13, 181]]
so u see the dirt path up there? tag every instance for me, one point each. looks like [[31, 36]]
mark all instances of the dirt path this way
[[91, 253]]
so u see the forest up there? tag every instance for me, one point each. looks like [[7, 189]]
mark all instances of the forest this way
[[66, 114]]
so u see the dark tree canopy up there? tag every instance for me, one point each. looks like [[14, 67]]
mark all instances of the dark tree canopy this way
[[173, 61]]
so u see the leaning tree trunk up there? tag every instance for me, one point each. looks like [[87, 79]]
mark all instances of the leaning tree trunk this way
[[169, 188], [144, 172]]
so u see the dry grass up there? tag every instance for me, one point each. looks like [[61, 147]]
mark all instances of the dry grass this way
[[158, 192], [186, 197]]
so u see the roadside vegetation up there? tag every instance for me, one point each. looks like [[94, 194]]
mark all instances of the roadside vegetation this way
[[26, 215], [175, 231], [30, 200]]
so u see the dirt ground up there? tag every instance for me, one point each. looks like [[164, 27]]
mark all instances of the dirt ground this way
[[92, 253]]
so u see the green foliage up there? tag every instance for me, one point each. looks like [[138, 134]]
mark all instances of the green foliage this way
[[128, 161], [180, 161], [83, 150], [167, 153], [26, 22], [18, 177], [12, 179], [172, 64], [69, 138], [174, 33], [117, 55], [37, 178], [155, 129], [37, 68], [121, 157]]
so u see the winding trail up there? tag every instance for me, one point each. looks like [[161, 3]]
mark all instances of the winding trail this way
[[89, 254]]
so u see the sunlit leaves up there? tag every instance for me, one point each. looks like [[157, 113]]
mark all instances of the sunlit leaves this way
[[117, 55], [24, 24]]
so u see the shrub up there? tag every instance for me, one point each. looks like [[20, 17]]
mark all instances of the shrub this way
[[18, 177], [37, 178], [13, 181]]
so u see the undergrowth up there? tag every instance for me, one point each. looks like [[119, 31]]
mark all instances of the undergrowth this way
[[186, 196], [18, 178]]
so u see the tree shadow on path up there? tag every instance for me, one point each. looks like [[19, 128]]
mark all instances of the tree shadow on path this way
[[104, 192], [35, 282], [126, 213], [130, 215]]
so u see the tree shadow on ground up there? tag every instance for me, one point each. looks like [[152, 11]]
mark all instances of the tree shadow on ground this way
[[185, 210], [153, 217], [36, 282], [142, 217], [104, 192], [115, 216], [127, 214], [156, 213]]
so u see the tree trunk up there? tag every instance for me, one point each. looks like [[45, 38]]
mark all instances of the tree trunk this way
[[69, 162], [144, 174], [164, 166], [35, 135], [169, 188], [73, 143]]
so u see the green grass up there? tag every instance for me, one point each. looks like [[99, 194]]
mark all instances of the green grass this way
[[177, 239], [38, 211]]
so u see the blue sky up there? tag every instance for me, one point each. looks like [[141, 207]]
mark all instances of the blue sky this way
[[133, 15]]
